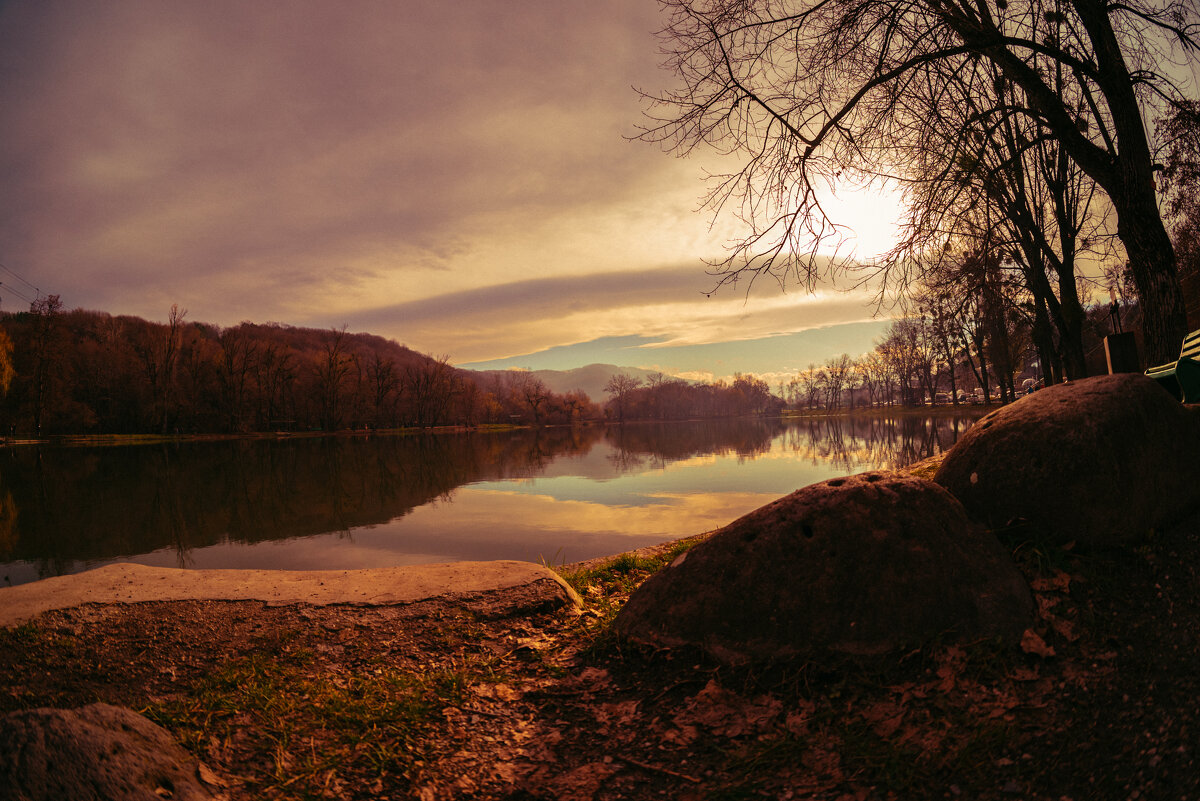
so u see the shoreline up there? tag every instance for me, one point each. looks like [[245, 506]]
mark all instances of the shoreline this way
[[106, 440], [126, 583]]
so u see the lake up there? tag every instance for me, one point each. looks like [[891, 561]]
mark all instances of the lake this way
[[555, 495]]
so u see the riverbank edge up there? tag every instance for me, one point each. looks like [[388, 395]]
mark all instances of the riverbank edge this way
[[510, 585], [107, 440]]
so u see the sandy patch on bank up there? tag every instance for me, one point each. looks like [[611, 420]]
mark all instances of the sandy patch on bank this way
[[130, 583]]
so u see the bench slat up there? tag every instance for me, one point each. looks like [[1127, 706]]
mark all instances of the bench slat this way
[[1182, 377]]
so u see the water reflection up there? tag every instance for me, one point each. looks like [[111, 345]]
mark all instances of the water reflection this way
[[854, 444], [348, 502]]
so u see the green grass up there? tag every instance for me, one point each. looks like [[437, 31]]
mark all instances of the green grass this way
[[605, 585], [605, 588], [316, 727]]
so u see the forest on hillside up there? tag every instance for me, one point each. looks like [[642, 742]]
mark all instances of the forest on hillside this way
[[75, 372]]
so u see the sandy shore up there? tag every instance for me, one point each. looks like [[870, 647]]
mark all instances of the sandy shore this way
[[130, 583]]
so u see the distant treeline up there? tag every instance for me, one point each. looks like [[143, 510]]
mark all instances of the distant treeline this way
[[665, 398], [71, 372], [985, 351]]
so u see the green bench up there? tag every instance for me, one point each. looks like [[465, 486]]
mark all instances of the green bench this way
[[1182, 377]]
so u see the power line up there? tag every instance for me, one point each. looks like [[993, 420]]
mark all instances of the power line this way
[[8, 288], [36, 291]]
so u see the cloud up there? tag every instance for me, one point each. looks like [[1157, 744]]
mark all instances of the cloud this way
[[254, 156], [667, 307], [552, 296]]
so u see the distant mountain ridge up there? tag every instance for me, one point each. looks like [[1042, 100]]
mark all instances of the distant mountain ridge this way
[[769, 355], [590, 378]]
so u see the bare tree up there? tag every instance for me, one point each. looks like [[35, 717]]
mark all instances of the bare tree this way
[[1008, 180], [235, 367], [159, 353], [530, 391], [909, 349], [811, 93], [431, 387], [576, 401], [811, 380], [381, 373], [1182, 183], [837, 371], [275, 376], [7, 372], [46, 352], [331, 371], [945, 336], [619, 386], [870, 375]]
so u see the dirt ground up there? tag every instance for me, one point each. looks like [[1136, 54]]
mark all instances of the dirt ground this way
[[452, 699]]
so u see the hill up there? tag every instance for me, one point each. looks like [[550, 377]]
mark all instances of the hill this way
[[90, 372], [591, 379]]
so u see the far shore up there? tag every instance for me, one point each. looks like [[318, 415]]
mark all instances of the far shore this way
[[101, 440], [940, 410]]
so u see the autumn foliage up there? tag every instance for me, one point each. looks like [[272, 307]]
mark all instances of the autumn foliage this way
[[91, 372]]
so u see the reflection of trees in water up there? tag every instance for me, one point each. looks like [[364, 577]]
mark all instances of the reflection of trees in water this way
[[873, 443], [8, 524], [80, 504], [101, 503], [626, 461], [661, 443]]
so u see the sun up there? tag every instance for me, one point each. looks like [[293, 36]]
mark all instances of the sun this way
[[870, 215]]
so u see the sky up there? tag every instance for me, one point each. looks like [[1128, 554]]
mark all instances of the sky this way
[[457, 176]]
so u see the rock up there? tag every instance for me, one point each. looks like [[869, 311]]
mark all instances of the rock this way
[[1099, 461], [858, 565], [93, 753]]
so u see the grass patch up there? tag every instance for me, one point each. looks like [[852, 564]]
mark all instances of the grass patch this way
[[317, 728], [607, 585], [21, 636], [625, 572], [605, 588]]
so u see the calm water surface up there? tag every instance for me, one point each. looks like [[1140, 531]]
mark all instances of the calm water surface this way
[[558, 495]]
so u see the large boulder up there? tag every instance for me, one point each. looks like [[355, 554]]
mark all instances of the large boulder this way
[[857, 565], [94, 753], [1099, 461]]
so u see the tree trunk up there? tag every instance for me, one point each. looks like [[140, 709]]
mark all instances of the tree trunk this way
[[1043, 341], [1152, 267], [1071, 330], [1130, 185]]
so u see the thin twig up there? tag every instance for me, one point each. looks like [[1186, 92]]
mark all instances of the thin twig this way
[[656, 769]]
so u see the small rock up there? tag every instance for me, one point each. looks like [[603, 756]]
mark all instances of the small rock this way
[[96, 752]]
